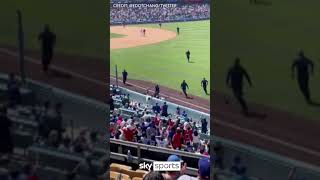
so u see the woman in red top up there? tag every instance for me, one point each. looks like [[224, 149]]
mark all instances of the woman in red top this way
[[170, 123], [112, 130], [176, 140], [156, 120], [187, 135], [128, 133]]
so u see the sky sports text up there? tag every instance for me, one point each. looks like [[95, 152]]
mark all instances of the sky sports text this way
[[161, 166]]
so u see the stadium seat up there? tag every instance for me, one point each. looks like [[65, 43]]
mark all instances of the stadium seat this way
[[137, 178], [133, 174], [125, 177], [120, 166], [114, 175], [143, 171], [115, 169], [140, 174], [130, 173]]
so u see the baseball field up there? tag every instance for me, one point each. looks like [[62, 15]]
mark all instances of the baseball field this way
[[71, 20], [164, 62], [267, 37], [112, 35]]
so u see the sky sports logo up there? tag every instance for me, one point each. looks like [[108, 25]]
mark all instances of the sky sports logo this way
[[161, 166]]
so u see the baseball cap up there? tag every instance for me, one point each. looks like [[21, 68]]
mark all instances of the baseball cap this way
[[204, 167], [174, 158]]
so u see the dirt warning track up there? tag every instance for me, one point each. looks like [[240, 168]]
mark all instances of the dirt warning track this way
[[133, 37]]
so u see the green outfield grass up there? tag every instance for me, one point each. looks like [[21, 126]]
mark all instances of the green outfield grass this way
[[165, 63], [79, 24], [112, 35], [267, 39]]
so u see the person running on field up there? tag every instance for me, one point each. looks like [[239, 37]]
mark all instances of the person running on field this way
[[156, 91], [188, 55], [48, 41], [124, 76], [235, 81], [204, 84], [184, 87], [303, 67]]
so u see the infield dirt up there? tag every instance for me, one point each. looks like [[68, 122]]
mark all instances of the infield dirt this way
[[133, 36]]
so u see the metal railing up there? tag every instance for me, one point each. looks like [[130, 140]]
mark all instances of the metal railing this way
[[140, 146], [192, 113], [266, 165]]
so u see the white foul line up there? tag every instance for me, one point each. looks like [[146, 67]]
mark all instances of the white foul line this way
[[245, 130]]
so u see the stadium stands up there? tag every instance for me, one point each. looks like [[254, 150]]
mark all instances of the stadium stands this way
[[231, 159], [148, 123], [157, 14], [160, 1], [266, 165], [76, 154], [258, 163]]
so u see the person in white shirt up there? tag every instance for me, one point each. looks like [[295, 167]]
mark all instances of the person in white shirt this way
[[196, 140], [148, 98], [161, 142]]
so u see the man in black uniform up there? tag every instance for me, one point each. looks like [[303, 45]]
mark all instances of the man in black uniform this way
[[204, 126], [164, 109], [235, 75], [48, 40], [160, 25], [184, 87], [188, 55], [301, 65], [124, 76], [178, 30], [204, 84], [156, 108], [156, 91]]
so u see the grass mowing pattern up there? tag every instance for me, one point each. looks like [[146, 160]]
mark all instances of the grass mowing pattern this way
[[112, 35], [165, 63]]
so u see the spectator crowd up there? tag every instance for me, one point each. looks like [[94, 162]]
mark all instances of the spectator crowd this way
[[154, 125], [46, 124], [180, 12], [144, 1]]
